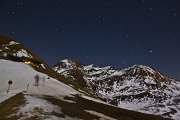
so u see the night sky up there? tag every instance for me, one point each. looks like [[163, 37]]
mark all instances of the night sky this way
[[118, 33]]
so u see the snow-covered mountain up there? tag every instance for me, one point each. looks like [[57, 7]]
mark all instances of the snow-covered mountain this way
[[139, 88], [12, 48], [52, 100]]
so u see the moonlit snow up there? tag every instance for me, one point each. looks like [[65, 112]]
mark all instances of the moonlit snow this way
[[158, 97], [21, 75]]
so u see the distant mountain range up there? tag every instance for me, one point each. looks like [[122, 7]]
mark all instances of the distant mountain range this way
[[139, 88]]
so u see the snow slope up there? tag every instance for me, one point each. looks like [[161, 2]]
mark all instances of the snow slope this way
[[21, 75]]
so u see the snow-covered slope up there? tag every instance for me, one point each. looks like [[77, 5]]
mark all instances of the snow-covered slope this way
[[139, 87], [21, 75]]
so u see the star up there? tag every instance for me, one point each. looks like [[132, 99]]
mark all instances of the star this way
[[109, 30]]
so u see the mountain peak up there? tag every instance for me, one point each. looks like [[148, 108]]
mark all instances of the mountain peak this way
[[140, 68], [67, 64], [92, 66], [65, 60], [70, 61]]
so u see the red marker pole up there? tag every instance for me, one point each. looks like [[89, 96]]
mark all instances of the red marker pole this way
[[9, 82]]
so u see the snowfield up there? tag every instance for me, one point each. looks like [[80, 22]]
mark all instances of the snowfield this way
[[22, 75]]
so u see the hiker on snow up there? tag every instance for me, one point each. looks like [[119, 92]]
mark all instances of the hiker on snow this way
[[36, 80], [43, 80]]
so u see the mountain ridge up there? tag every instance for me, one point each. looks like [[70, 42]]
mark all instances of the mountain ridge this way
[[139, 87]]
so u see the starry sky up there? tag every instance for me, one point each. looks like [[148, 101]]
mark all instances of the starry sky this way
[[117, 33]]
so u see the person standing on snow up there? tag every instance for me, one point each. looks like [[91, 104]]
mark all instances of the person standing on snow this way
[[43, 80], [36, 77]]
